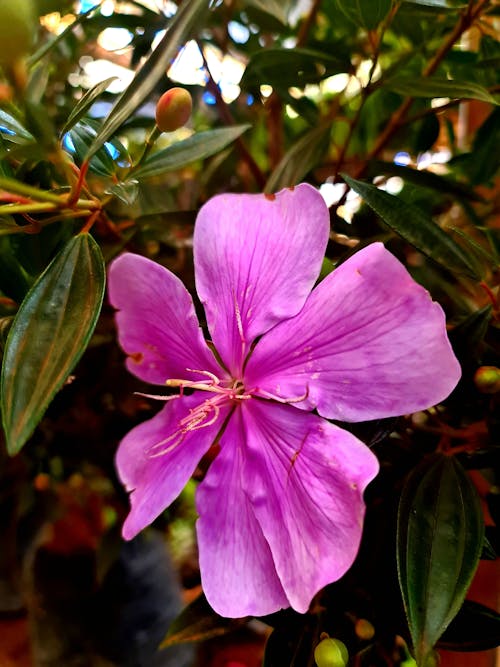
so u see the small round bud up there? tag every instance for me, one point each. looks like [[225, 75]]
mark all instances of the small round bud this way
[[17, 29], [173, 109], [487, 379], [364, 629], [331, 653]]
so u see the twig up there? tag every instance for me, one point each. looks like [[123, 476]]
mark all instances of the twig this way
[[226, 116]]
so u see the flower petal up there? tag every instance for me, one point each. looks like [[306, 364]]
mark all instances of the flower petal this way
[[306, 479], [369, 343], [155, 460], [256, 260], [157, 323], [237, 571]]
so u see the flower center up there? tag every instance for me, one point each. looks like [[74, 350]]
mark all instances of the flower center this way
[[203, 415]]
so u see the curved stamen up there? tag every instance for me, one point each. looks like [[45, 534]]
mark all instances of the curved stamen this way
[[280, 399]]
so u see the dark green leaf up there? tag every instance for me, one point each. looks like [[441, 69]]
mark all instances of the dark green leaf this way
[[102, 162], [197, 147], [277, 8], [424, 179], [433, 87], [440, 536], [475, 628], [187, 18], [415, 227], [365, 13], [49, 334], [283, 68], [85, 103], [197, 622], [305, 154], [441, 4]]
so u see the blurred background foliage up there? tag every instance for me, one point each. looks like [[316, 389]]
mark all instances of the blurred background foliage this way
[[389, 107]]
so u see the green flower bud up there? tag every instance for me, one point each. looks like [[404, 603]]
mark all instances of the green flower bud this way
[[331, 653], [173, 109], [487, 379], [17, 30]]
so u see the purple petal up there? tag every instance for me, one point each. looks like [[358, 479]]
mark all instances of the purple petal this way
[[157, 323], [256, 259], [369, 343], [237, 570], [155, 460], [305, 478]]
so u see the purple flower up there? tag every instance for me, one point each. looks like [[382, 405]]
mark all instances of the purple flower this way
[[281, 507]]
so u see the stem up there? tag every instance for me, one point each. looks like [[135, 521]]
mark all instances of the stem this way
[[226, 116], [306, 26], [466, 20], [41, 207], [150, 142], [11, 185]]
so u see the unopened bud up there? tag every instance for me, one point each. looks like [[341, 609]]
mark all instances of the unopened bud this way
[[487, 379], [331, 653], [173, 109], [364, 629]]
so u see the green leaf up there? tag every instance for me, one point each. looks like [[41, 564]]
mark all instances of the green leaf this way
[[474, 628], [102, 162], [425, 179], [197, 622], [365, 13], [197, 147], [12, 130], [439, 538], [85, 103], [49, 334], [438, 4], [433, 87], [187, 18], [277, 8], [414, 226], [283, 68], [305, 154]]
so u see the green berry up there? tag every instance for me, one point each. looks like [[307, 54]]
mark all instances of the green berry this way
[[331, 653], [173, 109], [487, 379]]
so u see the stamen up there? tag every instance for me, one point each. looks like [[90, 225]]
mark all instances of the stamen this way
[[281, 399], [196, 419], [157, 397]]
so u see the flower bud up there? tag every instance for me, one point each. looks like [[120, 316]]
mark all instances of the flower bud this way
[[173, 109], [364, 629], [17, 29], [487, 379], [331, 653]]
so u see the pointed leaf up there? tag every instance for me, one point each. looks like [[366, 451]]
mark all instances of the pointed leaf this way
[[197, 147], [186, 19], [277, 8], [474, 628], [283, 68], [415, 226], [365, 13], [49, 334], [198, 622], [440, 537], [85, 103], [433, 87], [425, 179], [12, 130], [305, 154]]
